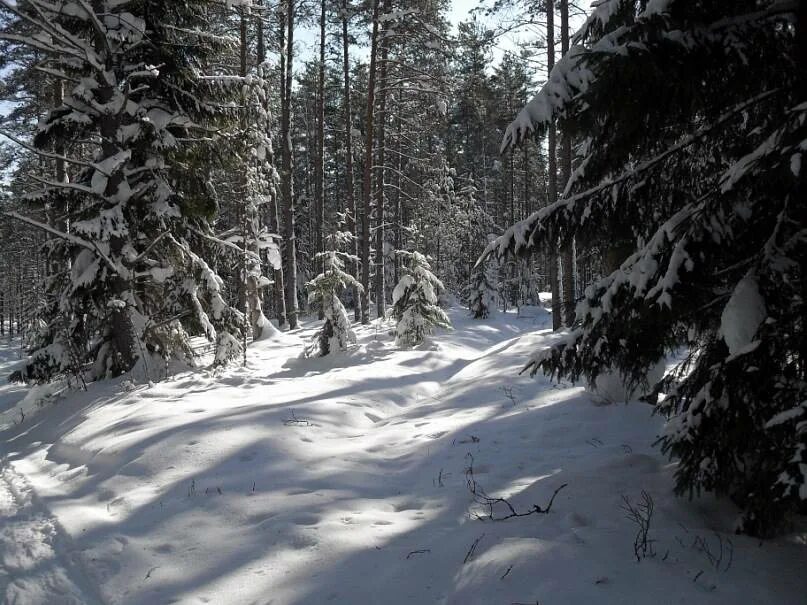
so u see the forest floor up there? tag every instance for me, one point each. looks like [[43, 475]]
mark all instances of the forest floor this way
[[346, 480]]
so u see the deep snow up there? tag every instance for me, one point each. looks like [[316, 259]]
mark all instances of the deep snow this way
[[343, 480]]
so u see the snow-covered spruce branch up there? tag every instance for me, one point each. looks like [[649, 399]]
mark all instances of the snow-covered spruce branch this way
[[54, 73], [150, 247], [73, 46], [67, 237], [519, 238], [99, 27], [573, 75], [225, 243], [66, 185], [49, 155]]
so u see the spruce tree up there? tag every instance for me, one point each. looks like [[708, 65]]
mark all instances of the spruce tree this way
[[691, 116], [135, 125], [414, 302], [336, 333], [482, 295]]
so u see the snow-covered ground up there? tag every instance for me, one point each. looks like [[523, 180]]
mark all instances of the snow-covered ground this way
[[344, 480]]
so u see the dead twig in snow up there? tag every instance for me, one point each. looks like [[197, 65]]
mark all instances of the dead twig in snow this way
[[439, 481], [470, 554], [490, 503], [294, 421], [641, 514], [508, 392], [723, 549], [148, 574]]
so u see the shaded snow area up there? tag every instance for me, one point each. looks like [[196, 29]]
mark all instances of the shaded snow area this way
[[345, 480]]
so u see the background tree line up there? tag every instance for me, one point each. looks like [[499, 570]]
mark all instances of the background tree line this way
[[391, 131]]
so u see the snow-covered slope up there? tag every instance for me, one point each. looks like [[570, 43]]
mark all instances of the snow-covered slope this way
[[344, 480]]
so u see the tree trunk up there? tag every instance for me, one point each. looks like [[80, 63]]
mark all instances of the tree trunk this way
[[319, 186], [398, 218], [253, 302], [553, 169], [278, 288], [287, 175], [565, 174], [368, 173], [54, 266], [379, 189], [349, 188]]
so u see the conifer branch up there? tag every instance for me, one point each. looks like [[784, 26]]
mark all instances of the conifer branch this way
[[67, 237]]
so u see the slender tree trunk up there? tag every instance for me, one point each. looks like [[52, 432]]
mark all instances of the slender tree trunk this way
[[319, 186], [398, 218], [565, 174], [513, 267], [527, 206], [349, 187], [250, 221], [278, 288], [287, 176], [368, 172], [61, 177], [379, 189], [553, 170]]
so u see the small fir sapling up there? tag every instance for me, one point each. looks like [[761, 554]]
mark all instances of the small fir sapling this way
[[323, 292], [414, 301], [482, 295]]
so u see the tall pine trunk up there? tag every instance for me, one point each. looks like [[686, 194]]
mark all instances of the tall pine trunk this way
[[379, 188], [287, 174], [353, 222], [553, 169], [565, 173], [368, 173], [319, 168], [278, 288]]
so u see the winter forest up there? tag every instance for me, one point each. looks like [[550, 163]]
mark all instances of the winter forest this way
[[403, 301]]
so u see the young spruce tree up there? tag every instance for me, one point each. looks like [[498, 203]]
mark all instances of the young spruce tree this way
[[482, 294], [414, 301], [336, 333]]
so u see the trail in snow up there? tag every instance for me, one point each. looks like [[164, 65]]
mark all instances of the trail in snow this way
[[37, 565]]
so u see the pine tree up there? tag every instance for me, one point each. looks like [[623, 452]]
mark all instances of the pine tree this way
[[690, 116], [414, 302], [336, 333]]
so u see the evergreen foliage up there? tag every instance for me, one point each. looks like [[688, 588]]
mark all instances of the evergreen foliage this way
[[414, 302], [692, 120], [482, 295], [336, 333], [137, 114]]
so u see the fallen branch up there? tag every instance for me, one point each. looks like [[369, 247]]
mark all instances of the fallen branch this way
[[294, 421], [470, 554], [418, 552], [481, 498]]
